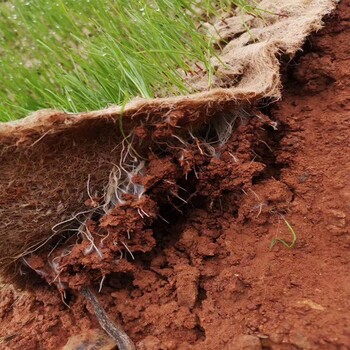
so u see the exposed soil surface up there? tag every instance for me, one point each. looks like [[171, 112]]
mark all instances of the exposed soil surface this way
[[206, 276]]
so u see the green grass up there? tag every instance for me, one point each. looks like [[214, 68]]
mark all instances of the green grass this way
[[80, 55], [283, 241]]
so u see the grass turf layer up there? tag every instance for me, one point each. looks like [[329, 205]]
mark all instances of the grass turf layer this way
[[85, 55]]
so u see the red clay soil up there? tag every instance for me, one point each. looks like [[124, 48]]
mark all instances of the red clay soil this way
[[209, 280]]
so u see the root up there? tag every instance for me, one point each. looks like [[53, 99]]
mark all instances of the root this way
[[121, 177], [113, 330]]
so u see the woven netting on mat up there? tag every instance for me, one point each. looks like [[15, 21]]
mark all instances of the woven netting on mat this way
[[78, 189]]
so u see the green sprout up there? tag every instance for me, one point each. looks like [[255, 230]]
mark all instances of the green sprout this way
[[284, 242]]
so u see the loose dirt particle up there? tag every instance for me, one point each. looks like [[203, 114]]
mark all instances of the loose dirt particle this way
[[94, 339]]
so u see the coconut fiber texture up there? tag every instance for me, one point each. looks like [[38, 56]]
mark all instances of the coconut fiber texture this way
[[52, 162]]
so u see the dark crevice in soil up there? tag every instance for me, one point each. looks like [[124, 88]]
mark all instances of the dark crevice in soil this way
[[267, 151], [119, 281], [200, 332], [202, 295]]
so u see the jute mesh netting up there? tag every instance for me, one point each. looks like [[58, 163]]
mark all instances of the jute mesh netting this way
[[58, 169]]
